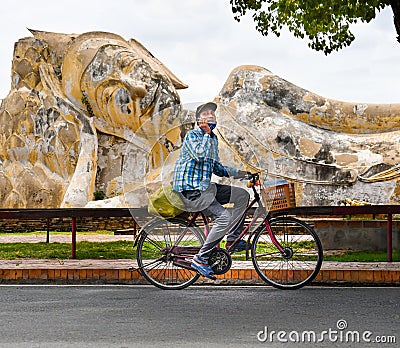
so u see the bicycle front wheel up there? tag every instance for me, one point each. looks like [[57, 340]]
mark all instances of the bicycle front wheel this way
[[300, 261], [157, 253]]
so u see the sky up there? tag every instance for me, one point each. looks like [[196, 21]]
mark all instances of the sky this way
[[201, 43]]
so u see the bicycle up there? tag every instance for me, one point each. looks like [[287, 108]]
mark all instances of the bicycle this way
[[285, 251]]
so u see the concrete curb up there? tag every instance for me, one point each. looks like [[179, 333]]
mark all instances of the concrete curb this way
[[28, 271]]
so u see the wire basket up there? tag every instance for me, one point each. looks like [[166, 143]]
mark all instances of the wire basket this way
[[279, 197]]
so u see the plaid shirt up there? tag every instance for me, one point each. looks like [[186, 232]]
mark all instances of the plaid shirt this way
[[197, 161]]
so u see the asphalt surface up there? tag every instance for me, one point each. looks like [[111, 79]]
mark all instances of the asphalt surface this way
[[200, 316]]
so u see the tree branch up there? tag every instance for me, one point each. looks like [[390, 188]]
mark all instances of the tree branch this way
[[396, 16]]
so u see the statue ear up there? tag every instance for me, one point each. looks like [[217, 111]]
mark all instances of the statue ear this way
[[50, 80], [53, 84]]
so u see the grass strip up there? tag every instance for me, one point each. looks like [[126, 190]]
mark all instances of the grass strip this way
[[362, 256], [125, 250], [84, 250]]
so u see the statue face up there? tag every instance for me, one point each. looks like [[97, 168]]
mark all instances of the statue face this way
[[119, 83], [123, 89]]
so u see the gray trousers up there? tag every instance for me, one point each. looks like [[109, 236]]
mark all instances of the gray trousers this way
[[222, 217]]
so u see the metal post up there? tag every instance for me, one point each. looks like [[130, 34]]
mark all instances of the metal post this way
[[389, 237], [73, 256], [48, 230]]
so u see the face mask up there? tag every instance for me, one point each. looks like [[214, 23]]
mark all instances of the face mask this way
[[212, 125]]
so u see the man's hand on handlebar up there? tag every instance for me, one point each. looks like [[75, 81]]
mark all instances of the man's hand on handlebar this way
[[242, 174]]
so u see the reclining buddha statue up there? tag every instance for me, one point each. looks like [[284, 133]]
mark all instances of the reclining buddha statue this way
[[97, 116]]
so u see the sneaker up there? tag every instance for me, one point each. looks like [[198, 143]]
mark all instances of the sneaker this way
[[241, 245], [203, 269]]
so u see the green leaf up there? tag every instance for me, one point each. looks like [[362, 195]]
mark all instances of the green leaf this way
[[326, 24]]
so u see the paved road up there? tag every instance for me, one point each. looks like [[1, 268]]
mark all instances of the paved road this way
[[140, 316]]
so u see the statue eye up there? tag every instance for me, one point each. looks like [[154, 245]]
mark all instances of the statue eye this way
[[122, 97], [122, 100]]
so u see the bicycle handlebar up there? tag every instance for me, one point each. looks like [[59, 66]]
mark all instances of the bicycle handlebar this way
[[253, 179], [253, 176]]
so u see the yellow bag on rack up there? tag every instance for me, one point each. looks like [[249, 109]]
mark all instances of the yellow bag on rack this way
[[165, 202]]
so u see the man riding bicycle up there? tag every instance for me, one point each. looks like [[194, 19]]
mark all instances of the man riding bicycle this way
[[197, 162]]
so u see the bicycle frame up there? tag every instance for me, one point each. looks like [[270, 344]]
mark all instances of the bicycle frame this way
[[256, 199]]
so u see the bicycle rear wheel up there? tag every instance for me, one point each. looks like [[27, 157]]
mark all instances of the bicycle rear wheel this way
[[302, 257], [156, 259]]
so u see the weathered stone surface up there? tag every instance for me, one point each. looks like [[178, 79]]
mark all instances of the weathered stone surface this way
[[83, 115], [323, 145], [95, 112], [356, 234]]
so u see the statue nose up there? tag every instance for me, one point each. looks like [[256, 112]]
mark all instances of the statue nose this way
[[137, 89]]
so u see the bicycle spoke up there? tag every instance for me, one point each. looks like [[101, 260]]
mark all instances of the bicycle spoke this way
[[159, 261], [277, 253], [154, 243]]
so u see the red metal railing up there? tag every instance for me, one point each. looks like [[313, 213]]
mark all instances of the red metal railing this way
[[74, 213], [387, 210]]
